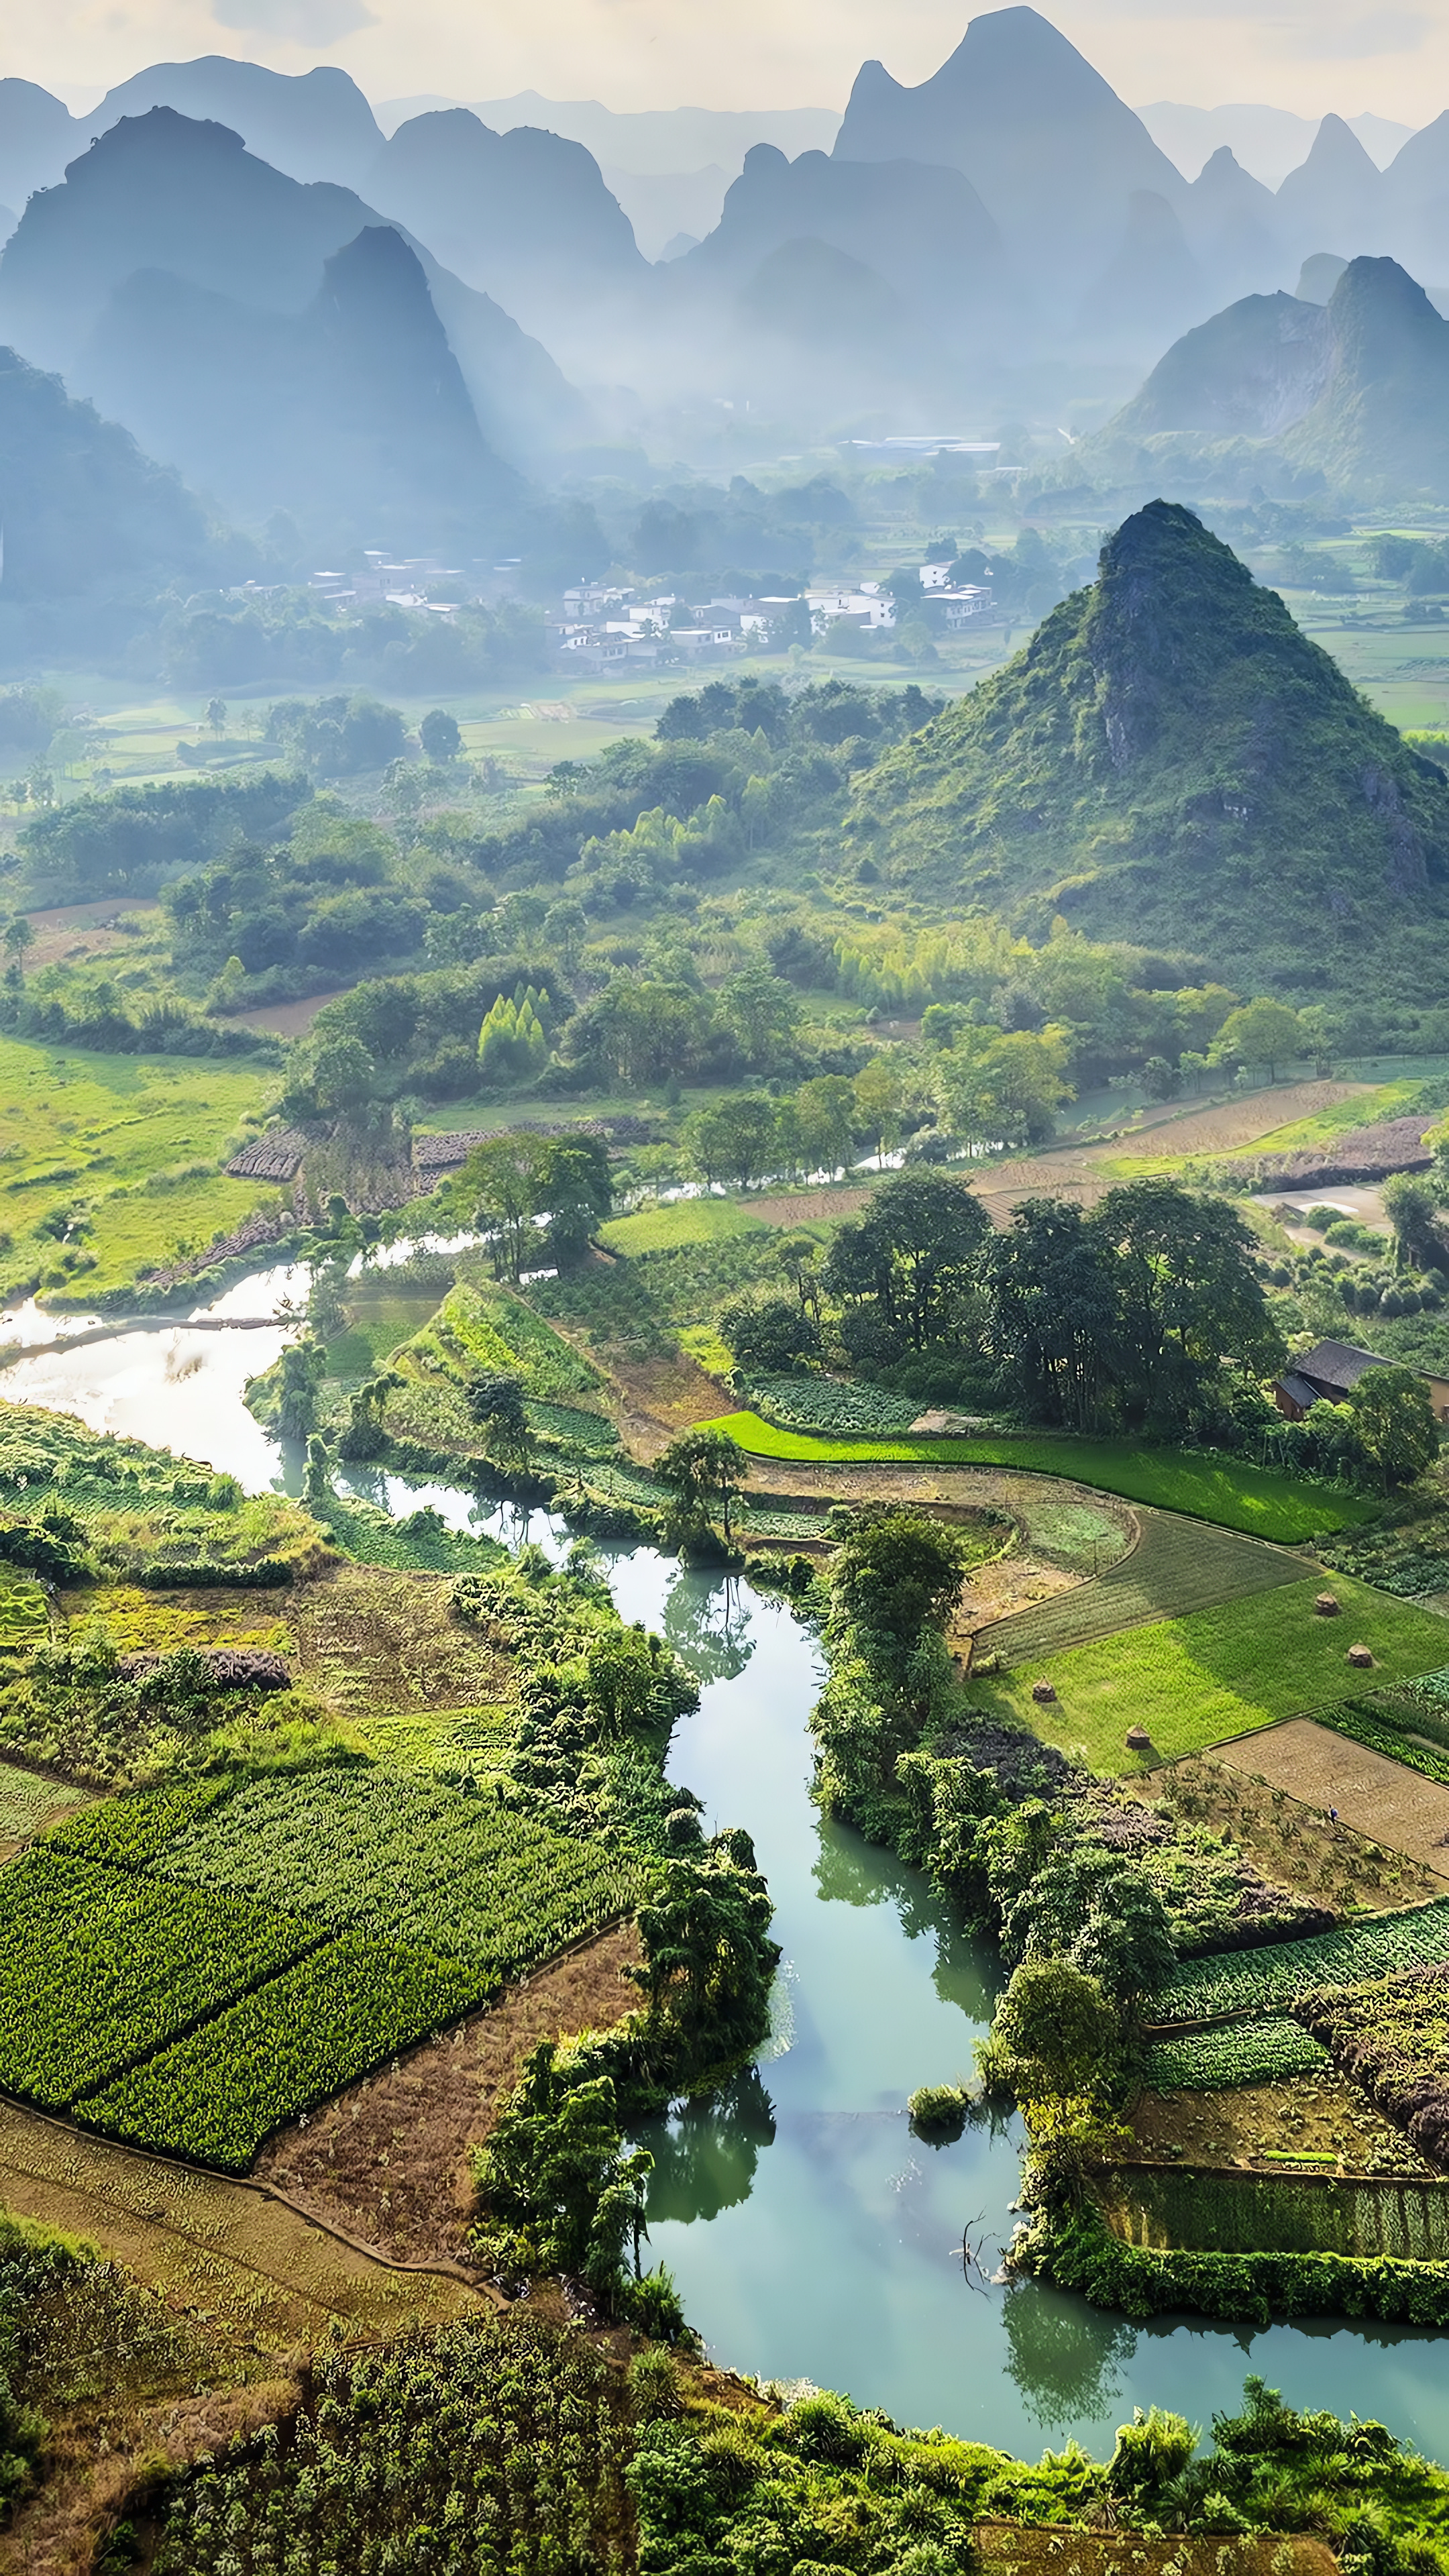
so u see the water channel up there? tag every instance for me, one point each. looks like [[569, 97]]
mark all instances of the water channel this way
[[811, 2236]]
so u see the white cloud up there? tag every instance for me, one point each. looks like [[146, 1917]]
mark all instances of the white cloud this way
[[1357, 40], [296, 22]]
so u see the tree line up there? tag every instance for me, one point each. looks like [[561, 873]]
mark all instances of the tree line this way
[[1146, 1314]]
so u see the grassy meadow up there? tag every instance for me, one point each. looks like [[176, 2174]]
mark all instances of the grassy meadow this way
[[124, 1149], [1222, 1672], [660, 1229]]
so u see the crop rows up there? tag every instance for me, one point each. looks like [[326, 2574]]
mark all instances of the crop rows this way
[[501, 2443], [411, 1862], [1253, 2052], [217, 2094], [825, 1404], [128, 1833], [189, 1968], [565, 1426], [1264, 1981], [1176, 1568], [26, 1799], [98, 1966]]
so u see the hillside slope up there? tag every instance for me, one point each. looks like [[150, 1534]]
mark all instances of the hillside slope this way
[[1381, 426], [1356, 391], [352, 414], [1171, 760], [85, 511], [1251, 372]]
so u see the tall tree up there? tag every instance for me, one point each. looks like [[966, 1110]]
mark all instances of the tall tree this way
[[898, 1571], [733, 1139], [999, 1086], [1412, 1205], [1055, 1314], [761, 1012], [914, 1257], [705, 1468], [500, 1183], [825, 1110], [1394, 1419], [880, 1099], [1189, 1296], [574, 1188], [1261, 1033], [495, 1402]]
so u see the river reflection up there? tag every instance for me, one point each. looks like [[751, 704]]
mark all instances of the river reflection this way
[[812, 2236], [705, 2158]]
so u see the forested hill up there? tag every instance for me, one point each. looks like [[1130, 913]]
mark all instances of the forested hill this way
[[1172, 760]]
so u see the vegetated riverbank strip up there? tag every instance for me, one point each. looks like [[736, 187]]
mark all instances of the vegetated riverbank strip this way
[[1263, 1502]]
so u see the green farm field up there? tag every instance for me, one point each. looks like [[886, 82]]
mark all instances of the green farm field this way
[[1217, 1673], [683, 1221], [1176, 1567], [1251, 2052], [187, 1968], [1262, 1501], [1264, 1982], [130, 1142]]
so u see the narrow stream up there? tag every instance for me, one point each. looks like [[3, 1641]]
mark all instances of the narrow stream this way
[[811, 2236]]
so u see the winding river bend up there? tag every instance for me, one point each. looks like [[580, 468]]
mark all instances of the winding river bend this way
[[810, 2235]]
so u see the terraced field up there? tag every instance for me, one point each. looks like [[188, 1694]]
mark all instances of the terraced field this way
[[1232, 1493], [1177, 1566]]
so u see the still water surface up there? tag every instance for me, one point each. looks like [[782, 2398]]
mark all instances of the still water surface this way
[[810, 2235]]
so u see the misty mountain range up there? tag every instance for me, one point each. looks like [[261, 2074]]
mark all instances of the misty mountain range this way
[[390, 332], [1350, 394]]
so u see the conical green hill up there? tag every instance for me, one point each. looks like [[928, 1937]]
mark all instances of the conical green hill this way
[[1171, 761]]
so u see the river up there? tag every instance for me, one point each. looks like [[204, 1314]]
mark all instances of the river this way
[[811, 2236]]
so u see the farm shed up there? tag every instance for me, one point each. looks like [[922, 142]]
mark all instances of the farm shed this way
[[1328, 1372]]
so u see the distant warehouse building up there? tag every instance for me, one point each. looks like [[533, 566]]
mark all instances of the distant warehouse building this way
[[1330, 1370]]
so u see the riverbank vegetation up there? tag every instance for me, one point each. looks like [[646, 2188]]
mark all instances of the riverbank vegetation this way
[[639, 2464], [1147, 1948]]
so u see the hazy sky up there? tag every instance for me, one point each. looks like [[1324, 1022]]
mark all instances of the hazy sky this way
[[1311, 55]]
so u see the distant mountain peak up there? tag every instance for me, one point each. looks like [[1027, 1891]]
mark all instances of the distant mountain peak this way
[[1336, 143], [155, 134], [1051, 149]]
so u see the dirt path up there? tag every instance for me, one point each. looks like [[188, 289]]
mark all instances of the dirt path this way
[[1058, 1516], [387, 2161], [658, 1398]]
